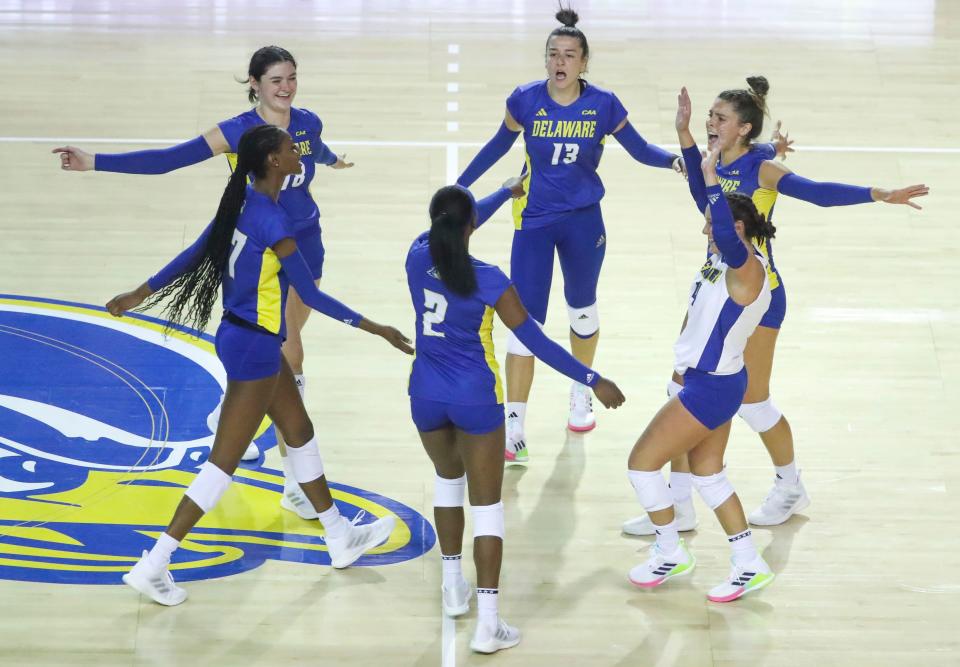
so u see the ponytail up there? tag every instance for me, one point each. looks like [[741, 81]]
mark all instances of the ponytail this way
[[452, 209], [193, 294]]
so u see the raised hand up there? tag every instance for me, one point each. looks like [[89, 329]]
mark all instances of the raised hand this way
[[341, 162], [515, 186], [608, 393], [902, 196], [781, 142], [74, 159], [684, 110]]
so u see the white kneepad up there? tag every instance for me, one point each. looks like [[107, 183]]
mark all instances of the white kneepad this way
[[488, 520], [714, 489], [584, 321], [305, 461], [673, 388], [514, 346], [651, 488], [762, 416], [208, 486], [449, 492]]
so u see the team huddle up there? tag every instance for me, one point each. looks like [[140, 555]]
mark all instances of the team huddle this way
[[263, 255]]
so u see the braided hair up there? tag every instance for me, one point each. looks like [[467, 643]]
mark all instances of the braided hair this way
[[193, 294]]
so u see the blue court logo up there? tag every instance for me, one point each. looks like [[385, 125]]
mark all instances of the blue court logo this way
[[103, 425]]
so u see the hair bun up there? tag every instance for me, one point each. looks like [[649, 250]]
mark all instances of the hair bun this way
[[759, 85], [567, 17]]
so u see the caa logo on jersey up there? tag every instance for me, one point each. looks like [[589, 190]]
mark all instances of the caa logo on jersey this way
[[588, 112], [103, 424]]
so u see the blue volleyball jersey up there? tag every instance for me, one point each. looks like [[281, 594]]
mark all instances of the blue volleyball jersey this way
[[305, 128], [254, 286], [743, 175], [455, 362], [564, 145]]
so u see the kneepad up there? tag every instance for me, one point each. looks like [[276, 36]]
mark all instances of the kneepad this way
[[488, 520], [651, 488], [584, 321], [514, 346], [762, 416], [449, 492], [714, 489], [208, 486], [305, 461]]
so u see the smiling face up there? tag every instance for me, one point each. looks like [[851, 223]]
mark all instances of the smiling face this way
[[724, 128], [564, 61], [287, 158], [277, 87]]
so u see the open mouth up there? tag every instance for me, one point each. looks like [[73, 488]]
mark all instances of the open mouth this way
[[560, 76]]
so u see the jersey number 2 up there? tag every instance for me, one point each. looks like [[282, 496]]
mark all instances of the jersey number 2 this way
[[436, 310], [572, 150], [239, 240]]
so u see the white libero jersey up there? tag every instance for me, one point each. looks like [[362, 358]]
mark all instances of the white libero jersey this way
[[717, 326]]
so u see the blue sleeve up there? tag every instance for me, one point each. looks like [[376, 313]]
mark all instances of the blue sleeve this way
[[298, 273], [494, 149], [823, 194], [767, 151], [324, 155], [641, 151], [517, 106], [232, 130], [183, 263], [724, 235], [553, 355], [487, 206], [491, 284], [698, 190], [617, 113], [158, 161]]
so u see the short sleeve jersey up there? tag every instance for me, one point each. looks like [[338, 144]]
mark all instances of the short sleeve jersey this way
[[254, 287], [305, 128], [564, 145], [455, 361]]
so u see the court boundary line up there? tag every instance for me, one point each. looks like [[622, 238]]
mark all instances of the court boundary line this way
[[923, 150]]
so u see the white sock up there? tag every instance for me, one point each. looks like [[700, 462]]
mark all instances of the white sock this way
[[288, 476], [518, 411], [334, 525], [744, 552], [487, 607], [668, 539], [452, 570], [787, 474], [159, 555], [301, 381], [681, 484]]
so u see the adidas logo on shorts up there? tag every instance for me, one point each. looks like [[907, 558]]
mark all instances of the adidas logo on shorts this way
[[601, 240]]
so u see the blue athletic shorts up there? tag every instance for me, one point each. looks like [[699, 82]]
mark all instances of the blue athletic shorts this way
[[580, 240], [773, 318], [713, 399], [310, 244], [246, 352], [473, 419]]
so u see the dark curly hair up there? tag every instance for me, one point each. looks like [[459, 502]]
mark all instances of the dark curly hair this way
[[755, 225], [193, 294]]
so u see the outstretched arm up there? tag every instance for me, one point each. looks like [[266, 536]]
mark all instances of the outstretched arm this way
[[494, 149], [156, 161], [514, 315], [777, 177], [642, 151], [486, 207], [295, 266]]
